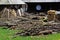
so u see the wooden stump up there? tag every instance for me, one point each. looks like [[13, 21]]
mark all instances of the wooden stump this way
[[51, 15]]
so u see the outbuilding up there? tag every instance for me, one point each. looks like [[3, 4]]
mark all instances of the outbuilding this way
[[42, 5], [16, 5]]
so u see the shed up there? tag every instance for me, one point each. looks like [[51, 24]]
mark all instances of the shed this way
[[12, 4], [42, 5]]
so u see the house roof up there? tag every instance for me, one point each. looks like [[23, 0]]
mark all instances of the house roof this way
[[41, 0], [11, 2]]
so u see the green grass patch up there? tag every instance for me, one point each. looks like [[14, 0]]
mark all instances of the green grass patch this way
[[6, 34]]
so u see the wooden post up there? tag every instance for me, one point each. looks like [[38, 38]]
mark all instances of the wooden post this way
[[19, 11]]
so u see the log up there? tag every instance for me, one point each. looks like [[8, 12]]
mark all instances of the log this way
[[46, 32]]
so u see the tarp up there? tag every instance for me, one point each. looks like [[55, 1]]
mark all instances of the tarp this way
[[11, 2]]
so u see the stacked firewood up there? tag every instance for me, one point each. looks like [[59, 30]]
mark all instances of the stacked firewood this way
[[7, 13], [41, 30], [10, 13]]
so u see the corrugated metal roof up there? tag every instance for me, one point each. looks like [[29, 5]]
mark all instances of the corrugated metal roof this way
[[11, 2], [4, 2], [41, 0]]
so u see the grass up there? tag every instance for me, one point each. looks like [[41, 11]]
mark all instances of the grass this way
[[6, 34]]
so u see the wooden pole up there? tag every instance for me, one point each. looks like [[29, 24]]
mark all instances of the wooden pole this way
[[8, 13]]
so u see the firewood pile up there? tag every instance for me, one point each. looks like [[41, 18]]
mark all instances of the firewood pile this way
[[31, 24], [40, 30], [36, 26], [53, 15], [8, 13]]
